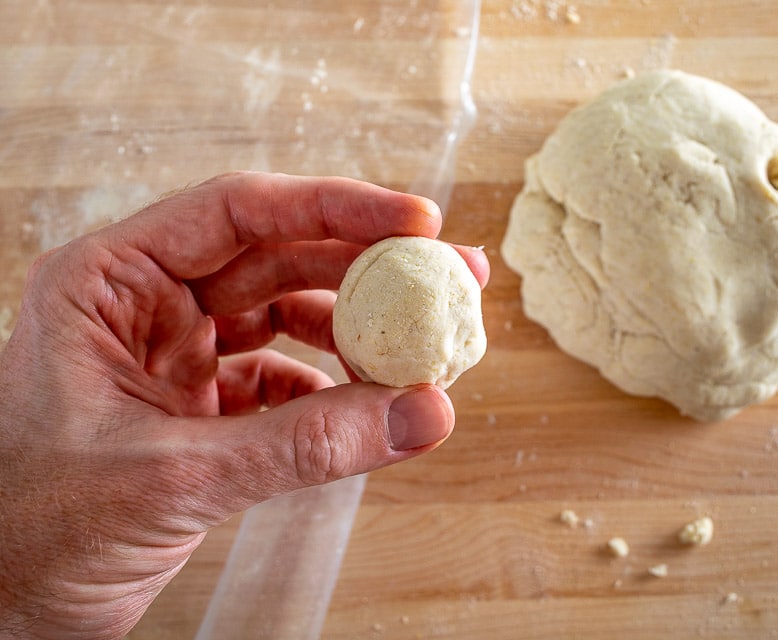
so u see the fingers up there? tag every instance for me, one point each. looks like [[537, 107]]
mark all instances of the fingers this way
[[477, 261], [321, 437], [305, 316], [265, 378], [262, 273], [196, 232]]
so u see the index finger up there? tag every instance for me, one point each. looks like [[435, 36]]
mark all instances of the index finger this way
[[195, 232]]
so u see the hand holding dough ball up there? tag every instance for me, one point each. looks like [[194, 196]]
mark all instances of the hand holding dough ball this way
[[409, 312], [647, 240]]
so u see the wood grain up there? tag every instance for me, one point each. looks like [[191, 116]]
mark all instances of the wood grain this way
[[104, 105]]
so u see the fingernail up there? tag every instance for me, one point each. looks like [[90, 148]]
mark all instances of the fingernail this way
[[418, 418]]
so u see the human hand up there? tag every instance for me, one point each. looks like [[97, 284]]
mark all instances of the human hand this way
[[124, 436]]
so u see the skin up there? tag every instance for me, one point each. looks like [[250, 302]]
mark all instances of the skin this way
[[125, 434]]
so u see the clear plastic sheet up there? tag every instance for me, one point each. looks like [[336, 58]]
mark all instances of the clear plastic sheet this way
[[283, 566], [161, 95], [284, 562]]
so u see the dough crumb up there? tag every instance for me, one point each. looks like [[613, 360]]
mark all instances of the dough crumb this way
[[731, 598], [618, 547], [697, 533], [570, 518], [28, 231], [658, 571]]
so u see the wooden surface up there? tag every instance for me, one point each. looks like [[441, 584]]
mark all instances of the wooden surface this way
[[105, 104]]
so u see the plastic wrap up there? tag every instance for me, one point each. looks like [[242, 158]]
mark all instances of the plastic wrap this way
[[283, 566]]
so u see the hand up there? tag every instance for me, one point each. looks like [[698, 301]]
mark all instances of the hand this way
[[125, 436]]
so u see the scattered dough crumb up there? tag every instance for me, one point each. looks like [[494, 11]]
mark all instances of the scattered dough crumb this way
[[618, 547], [572, 15], [569, 517], [697, 533], [658, 571], [731, 598], [28, 231]]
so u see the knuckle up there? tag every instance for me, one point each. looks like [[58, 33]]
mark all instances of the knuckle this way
[[40, 264], [317, 452]]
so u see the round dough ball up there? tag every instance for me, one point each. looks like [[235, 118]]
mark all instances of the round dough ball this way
[[409, 312], [647, 240]]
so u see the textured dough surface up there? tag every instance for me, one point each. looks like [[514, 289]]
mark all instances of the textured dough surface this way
[[647, 240], [409, 312]]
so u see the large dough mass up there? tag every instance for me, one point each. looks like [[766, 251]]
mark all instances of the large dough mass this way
[[647, 240], [409, 312]]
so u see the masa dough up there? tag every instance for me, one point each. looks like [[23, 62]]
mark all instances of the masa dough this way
[[409, 312], [647, 240]]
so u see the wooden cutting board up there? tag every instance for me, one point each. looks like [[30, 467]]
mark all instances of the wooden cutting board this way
[[467, 541]]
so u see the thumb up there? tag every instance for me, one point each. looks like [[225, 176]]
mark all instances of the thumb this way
[[324, 436], [351, 429]]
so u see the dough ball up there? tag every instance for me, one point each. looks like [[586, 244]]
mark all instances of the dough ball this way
[[409, 312], [647, 239]]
